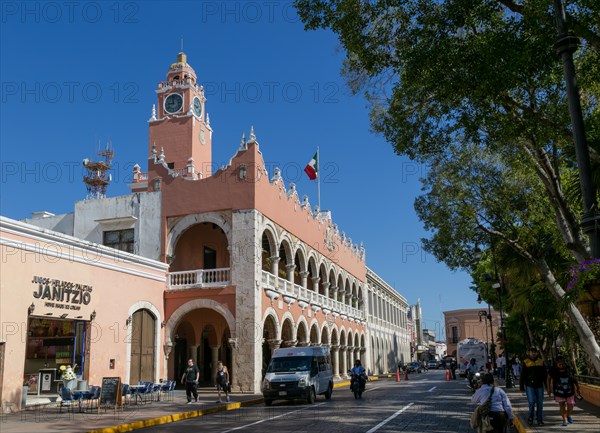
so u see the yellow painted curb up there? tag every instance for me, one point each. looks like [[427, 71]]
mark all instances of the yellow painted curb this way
[[175, 417], [518, 425]]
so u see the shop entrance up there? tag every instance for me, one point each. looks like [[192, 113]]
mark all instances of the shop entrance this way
[[52, 344]]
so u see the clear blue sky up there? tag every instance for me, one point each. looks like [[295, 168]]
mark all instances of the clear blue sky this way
[[76, 74]]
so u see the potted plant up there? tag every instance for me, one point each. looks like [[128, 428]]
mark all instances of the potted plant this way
[[68, 376]]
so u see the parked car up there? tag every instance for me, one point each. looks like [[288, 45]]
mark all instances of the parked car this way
[[414, 367], [432, 363]]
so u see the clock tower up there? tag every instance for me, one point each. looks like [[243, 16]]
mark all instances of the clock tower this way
[[179, 124]]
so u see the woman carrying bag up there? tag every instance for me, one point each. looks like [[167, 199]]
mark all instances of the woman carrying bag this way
[[222, 381], [500, 410]]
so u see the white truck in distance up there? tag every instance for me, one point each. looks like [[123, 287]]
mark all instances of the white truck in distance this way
[[468, 349]]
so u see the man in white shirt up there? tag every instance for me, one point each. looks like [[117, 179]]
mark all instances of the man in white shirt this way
[[501, 364]]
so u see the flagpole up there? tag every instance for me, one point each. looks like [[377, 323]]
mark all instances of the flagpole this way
[[319, 178]]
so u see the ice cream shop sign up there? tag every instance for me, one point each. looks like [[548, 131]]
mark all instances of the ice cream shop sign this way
[[60, 294]]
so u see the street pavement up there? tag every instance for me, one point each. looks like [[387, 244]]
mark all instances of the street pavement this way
[[425, 403]]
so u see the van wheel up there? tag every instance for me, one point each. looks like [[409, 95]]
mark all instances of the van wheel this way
[[311, 395], [268, 402], [329, 392]]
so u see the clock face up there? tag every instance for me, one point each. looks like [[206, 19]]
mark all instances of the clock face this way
[[173, 103], [197, 107]]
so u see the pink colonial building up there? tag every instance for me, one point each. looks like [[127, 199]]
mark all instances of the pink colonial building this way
[[249, 265]]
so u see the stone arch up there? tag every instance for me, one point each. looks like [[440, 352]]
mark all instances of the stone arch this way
[[313, 272], [286, 254], [340, 286], [332, 281], [334, 336], [325, 335], [347, 291], [288, 338], [302, 332], [195, 304], [268, 248], [271, 325], [323, 277], [188, 221], [314, 333], [300, 265]]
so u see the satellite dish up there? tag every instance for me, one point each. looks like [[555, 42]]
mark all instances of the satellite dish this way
[[85, 162]]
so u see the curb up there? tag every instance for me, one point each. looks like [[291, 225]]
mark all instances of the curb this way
[[518, 425], [175, 417]]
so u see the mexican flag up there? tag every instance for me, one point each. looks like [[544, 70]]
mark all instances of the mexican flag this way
[[312, 168]]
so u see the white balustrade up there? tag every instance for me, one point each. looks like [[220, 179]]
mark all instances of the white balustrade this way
[[199, 278], [285, 287]]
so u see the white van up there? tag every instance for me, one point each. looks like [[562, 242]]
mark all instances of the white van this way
[[298, 372]]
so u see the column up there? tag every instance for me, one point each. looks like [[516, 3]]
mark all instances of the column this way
[[214, 358], [342, 357], [315, 281], [335, 360], [275, 265], [333, 292], [193, 354], [348, 356], [326, 289], [167, 347], [303, 278], [290, 272], [274, 344]]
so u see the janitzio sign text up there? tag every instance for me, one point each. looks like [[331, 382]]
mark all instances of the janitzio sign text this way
[[65, 294]]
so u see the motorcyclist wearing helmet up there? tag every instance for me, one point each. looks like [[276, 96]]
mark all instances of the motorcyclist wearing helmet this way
[[356, 372]]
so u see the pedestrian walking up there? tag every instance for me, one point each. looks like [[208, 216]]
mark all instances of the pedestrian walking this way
[[453, 368], [500, 411], [501, 364], [533, 381], [516, 366], [564, 386], [190, 378], [222, 381]]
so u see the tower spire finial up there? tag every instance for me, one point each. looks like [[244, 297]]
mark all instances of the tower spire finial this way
[[182, 43]]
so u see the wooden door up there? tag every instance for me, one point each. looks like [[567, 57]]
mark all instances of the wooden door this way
[[143, 327]]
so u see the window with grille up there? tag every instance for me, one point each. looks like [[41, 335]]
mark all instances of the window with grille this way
[[119, 239], [454, 334]]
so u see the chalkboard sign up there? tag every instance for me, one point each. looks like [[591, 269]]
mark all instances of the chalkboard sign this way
[[110, 394]]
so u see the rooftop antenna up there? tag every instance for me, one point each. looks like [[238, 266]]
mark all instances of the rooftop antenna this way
[[97, 177], [182, 43]]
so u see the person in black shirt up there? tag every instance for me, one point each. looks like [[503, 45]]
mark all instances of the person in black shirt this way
[[563, 385], [190, 379]]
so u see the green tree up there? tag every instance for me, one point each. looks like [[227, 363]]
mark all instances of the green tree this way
[[474, 86]]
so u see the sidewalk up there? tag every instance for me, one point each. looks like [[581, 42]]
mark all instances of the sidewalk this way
[[131, 417], [586, 416]]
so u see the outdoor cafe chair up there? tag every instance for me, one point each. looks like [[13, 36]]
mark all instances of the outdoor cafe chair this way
[[67, 399]]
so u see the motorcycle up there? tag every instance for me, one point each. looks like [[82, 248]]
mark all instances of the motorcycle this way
[[474, 381], [358, 384]]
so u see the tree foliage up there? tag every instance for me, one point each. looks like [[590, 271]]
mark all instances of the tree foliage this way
[[475, 90]]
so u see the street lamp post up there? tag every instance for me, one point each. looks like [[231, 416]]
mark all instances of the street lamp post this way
[[509, 379], [565, 46], [487, 341], [492, 348]]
